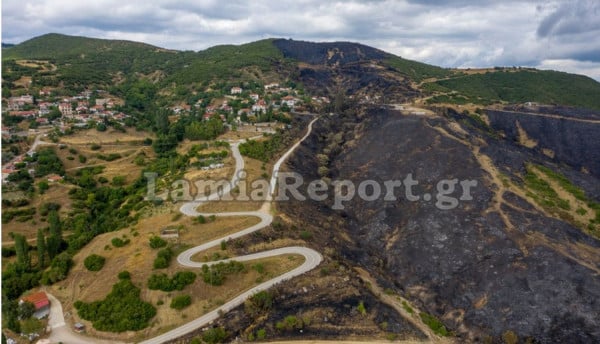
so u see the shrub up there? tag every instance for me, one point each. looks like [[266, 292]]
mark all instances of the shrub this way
[[95, 146], [215, 335], [259, 303], [361, 308], [157, 242], [181, 301], [94, 262], [163, 258], [124, 275], [178, 282], [118, 242], [289, 323]]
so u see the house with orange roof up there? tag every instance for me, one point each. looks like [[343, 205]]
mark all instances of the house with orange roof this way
[[40, 301]]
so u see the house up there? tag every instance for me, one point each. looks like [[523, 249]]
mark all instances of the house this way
[[45, 92], [289, 101], [41, 303], [236, 90], [271, 86], [260, 106], [54, 178], [41, 121], [25, 114], [255, 97], [65, 109], [244, 111]]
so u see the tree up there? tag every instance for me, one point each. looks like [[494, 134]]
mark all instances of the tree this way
[[26, 310], [54, 242], [41, 249], [22, 251]]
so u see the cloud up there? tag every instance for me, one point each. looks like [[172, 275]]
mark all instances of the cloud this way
[[450, 33]]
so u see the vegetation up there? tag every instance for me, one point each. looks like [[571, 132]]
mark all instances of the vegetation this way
[[518, 86], [178, 282], [290, 323], [215, 274], [163, 258], [434, 324], [118, 242], [416, 70], [258, 303], [94, 262], [181, 301], [121, 310], [157, 242], [215, 335], [262, 150]]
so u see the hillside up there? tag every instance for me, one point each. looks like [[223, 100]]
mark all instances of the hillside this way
[[83, 61], [519, 86]]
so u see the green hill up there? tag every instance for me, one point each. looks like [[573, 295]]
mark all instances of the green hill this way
[[83, 60], [518, 86]]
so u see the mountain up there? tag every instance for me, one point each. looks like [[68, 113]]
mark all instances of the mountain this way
[[500, 239], [322, 66]]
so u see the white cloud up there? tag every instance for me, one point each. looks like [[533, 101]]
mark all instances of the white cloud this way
[[450, 33]]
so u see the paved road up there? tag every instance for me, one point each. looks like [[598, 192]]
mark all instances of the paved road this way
[[62, 333], [312, 257]]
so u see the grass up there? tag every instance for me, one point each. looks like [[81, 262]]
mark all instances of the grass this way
[[434, 324], [518, 86], [557, 194]]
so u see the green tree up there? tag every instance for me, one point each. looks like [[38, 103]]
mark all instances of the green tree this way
[[22, 251], [41, 249], [54, 241]]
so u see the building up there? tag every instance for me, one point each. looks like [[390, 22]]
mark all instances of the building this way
[[255, 97], [260, 106], [271, 86], [289, 101], [236, 90], [41, 303], [65, 109]]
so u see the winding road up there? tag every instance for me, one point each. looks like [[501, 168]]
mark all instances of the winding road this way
[[312, 258]]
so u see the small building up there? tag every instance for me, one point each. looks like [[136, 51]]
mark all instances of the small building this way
[[54, 178], [41, 303], [236, 90]]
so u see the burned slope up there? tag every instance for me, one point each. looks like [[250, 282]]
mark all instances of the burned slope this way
[[490, 265], [359, 70], [572, 140]]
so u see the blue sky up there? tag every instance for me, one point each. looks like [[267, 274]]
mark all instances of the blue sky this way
[[560, 35]]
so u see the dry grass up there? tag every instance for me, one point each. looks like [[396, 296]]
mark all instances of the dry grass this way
[[86, 137], [137, 258]]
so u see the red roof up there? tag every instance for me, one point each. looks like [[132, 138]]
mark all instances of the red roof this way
[[40, 300]]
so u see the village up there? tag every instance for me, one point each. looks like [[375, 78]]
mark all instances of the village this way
[[45, 115]]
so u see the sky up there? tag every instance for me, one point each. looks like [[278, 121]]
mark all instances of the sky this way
[[548, 34]]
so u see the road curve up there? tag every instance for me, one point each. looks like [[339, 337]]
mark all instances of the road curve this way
[[312, 257]]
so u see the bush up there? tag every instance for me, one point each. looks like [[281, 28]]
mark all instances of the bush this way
[[259, 303], [289, 323], [214, 335], [95, 146], [157, 242], [123, 275], [94, 262], [118, 242], [163, 258], [178, 282], [181, 301], [215, 274]]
